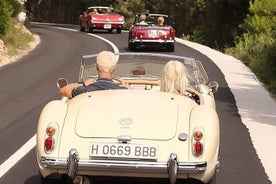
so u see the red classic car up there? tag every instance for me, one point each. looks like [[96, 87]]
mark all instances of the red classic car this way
[[101, 17], [151, 30]]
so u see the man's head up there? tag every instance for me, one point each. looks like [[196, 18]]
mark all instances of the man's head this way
[[143, 17], [106, 62]]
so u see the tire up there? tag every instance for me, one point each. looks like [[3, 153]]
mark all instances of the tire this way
[[119, 30], [170, 47], [57, 179], [82, 28], [213, 179], [131, 46], [90, 30]]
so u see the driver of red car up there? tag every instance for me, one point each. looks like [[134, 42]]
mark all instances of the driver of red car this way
[[143, 19]]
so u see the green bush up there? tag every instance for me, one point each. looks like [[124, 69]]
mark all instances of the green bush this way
[[17, 7], [5, 12], [17, 39], [256, 47]]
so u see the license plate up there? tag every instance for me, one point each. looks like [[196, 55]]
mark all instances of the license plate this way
[[153, 33], [107, 26], [135, 151]]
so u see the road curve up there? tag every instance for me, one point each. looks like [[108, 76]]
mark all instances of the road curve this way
[[31, 84], [255, 105]]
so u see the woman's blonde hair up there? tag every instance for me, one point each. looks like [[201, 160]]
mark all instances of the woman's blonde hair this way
[[160, 21], [174, 78]]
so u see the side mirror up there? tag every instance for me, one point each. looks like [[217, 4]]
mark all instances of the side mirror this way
[[213, 86], [61, 82]]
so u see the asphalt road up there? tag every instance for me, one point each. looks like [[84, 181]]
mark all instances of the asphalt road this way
[[27, 85]]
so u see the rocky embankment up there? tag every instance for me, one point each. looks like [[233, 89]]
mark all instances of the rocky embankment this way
[[6, 59]]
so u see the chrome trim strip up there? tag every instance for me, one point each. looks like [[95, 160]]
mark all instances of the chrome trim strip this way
[[98, 22], [151, 41]]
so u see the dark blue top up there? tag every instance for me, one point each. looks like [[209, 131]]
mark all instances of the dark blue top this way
[[99, 84]]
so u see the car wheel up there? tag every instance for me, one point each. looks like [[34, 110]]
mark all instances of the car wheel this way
[[90, 30], [213, 179], [170, 47], [131, 46], [55, 179], [82, 28], [119, 30]]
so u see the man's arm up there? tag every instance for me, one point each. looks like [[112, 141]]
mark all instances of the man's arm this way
[[67, 90]]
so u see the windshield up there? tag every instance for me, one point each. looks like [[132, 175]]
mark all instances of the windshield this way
[[147, 66]]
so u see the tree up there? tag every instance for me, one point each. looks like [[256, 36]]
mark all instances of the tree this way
[[5, 12]]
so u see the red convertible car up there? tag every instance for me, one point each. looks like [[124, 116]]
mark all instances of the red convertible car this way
[[151, 30], [101, 17]]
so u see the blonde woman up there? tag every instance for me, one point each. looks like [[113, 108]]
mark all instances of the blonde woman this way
[[160, 21], [174, 78]]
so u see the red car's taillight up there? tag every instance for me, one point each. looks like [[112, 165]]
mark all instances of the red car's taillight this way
[[197, 143], [172, 32], [134, 32], [49, 142]]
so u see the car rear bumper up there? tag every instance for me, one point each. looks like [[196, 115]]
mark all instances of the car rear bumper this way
[[152, 41], [102, 22], [172, 167]]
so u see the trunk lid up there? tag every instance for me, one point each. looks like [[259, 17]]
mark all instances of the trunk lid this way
[[138, 114]]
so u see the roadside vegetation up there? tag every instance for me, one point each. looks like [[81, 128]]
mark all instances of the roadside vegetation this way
[[12, 32], [245, 29], [256, 47]]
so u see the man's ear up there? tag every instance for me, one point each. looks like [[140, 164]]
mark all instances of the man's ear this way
[[114, 68], [96, 66]]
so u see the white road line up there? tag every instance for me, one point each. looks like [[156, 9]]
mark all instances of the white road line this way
[[10, 162], [116, 50], [19, 154]]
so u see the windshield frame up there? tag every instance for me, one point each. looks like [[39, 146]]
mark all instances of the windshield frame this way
[[196, 73]]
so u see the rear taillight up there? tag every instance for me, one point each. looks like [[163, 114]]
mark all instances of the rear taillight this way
[[134, 32], [172, 32], [50, 136], [49, 144], [197, 142]]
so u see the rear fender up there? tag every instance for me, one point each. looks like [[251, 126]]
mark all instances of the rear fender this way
[[205, 118], [53, 114]]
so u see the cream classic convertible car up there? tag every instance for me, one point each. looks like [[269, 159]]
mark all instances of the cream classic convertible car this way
[[139, 133]]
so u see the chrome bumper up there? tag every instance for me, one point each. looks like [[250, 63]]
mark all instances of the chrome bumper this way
[[171, 167], [152, 41], [102, 22]]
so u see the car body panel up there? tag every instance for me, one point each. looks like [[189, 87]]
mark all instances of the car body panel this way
[[140, 132], [101, 21], [151, 35]]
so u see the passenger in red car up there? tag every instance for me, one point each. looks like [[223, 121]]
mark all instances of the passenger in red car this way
[[109, 10], [106, 63], [160, 21], [174, 78], [95, 11]]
